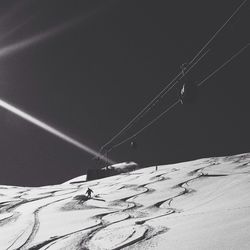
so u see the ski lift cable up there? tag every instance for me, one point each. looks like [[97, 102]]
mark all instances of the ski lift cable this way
[[174, 83], [171, 86], [140, 113], [158, 117], [162, 93], [175, 78], [223, 65], [178, 101], [186, 72], [219, 30], [149, 124]]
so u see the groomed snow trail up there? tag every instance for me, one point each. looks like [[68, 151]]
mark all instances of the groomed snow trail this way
[[201, 204]]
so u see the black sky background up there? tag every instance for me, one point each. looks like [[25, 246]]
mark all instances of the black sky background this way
[[92, 78]]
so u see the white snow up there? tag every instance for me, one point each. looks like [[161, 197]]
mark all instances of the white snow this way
[[201, 204]]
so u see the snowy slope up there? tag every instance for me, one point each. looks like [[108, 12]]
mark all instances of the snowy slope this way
[[202, 204]]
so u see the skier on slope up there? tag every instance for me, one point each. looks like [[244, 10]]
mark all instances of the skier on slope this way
[[88, 192]]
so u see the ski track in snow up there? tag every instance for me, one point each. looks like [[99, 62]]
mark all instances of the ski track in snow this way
[[138, 210]]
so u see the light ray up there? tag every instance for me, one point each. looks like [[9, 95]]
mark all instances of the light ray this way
[[26, 43], [52, 130], [13, 30]]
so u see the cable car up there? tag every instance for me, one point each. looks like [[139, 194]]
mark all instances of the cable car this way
[[188, 93], [133, 144]]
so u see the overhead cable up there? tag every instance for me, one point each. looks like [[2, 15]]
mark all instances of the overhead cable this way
[[178, 101], [149, 124], [219, 30], [224, 64], [178, 77]]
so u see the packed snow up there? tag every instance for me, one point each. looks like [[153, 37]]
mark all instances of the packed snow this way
[[201, 204]]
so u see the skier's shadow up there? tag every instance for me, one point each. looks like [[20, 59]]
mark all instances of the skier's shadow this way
[[97, 199], [83, 198]]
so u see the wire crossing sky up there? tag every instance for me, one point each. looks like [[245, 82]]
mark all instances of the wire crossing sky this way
[[168, 87], [52, 130]]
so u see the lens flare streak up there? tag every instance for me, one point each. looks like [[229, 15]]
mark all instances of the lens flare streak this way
[[52, 130], [44, 35]]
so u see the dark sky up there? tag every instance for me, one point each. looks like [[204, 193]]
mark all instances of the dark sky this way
[[92, 77]]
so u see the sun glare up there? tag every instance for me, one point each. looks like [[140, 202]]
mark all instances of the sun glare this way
[[52, 130]]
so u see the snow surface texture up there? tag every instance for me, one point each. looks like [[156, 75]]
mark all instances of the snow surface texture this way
[[202, 204]]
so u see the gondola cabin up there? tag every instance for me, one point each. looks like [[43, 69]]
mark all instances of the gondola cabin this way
[[188, 93]]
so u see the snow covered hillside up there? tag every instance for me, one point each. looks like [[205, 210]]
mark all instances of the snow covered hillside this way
[[202, 204]]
